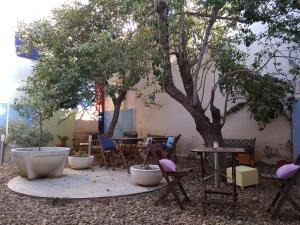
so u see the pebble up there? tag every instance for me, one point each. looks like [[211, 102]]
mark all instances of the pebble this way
[[139, 209], [44, 222]]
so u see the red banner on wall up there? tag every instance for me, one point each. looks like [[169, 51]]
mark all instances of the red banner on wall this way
[[99, 98], [99, 103]]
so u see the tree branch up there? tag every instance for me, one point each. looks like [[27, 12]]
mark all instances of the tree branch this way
[[182, 60], [225, 110], [204, 46], [198, 14]]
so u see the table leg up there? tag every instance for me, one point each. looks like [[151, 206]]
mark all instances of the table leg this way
[[203, 165], [234, 184], [122, 147]]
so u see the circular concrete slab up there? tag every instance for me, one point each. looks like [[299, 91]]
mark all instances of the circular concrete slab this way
[[92, 183]]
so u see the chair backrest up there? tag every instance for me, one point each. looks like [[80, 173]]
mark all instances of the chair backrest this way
[[247, 144], [170, 141], [176, 140], [106, 142], [158, 138], [297, 161], [147, 141], [156, 150]]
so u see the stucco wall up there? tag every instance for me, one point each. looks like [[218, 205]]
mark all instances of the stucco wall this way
[[86, 121], [168, 117], [57, 126]]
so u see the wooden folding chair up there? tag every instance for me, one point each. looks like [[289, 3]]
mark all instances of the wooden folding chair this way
[[106, 145], [173, 179], [172, 150], [283, 193]]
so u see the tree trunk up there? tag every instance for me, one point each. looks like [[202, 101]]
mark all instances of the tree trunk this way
[[209, 131], [41, 131], [117, 106], [209, 134], [115, 118]]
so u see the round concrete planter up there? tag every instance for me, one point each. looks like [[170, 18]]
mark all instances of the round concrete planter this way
[[48, 162], [80, 163], [146, 177]]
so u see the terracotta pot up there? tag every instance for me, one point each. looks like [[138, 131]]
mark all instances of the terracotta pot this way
[[62, 143]]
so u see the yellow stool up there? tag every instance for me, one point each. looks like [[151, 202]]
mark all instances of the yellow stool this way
[[245, 176]]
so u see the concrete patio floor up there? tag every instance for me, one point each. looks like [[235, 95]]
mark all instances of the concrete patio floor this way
[[91, 183]]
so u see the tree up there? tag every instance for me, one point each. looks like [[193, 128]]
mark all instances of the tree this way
[[205, 37], [87, 44], [26, 135], [37, 105]]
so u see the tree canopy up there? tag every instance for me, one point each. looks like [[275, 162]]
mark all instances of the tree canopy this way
[[213, 42], [87, 44]]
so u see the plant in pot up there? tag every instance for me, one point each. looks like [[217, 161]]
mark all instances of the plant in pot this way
[[62, 141], [21, 134], [36, 161], [146, 174], [80, 160]]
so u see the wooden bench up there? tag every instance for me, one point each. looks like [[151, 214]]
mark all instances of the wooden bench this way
[[247, 144]]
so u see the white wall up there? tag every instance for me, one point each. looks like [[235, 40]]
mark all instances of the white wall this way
[[170, 118]]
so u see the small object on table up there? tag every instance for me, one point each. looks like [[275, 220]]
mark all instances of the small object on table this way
[[216, 144], [245, 176]]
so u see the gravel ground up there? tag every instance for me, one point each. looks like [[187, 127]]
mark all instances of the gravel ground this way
[[139, 209]]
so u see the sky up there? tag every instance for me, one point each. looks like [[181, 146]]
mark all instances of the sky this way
[[14, 68]]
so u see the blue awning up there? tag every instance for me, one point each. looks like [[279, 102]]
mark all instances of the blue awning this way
[[34, 55]]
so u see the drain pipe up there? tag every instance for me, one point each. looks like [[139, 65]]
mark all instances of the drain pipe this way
[[2, 148]]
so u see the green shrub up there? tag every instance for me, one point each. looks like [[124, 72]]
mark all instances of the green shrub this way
[[25, 135]]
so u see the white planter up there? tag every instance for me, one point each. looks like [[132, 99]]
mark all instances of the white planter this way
[[48, 162], [80, 162], [146, 177]]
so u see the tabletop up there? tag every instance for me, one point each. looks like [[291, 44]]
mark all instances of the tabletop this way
[[127, 139], [219, 150]]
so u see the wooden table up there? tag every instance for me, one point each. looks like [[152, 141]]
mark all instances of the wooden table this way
[[122, 142], [203, 157]]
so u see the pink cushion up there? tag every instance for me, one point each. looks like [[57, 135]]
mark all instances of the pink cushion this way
[[168, 165], [286, 171]]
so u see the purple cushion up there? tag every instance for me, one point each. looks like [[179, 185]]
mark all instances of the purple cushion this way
[[286, 171], [168, 165]]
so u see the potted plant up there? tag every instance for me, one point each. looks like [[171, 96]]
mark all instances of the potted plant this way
[[80, 160], [36, 161], [146, 174], [62, 141], [21, 134]]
